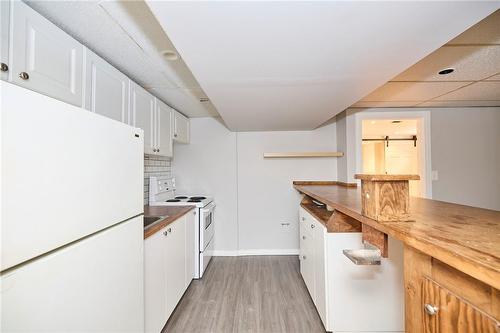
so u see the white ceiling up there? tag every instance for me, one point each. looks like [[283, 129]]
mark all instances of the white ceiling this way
[[127, 35], [475, 56], [293, 65]]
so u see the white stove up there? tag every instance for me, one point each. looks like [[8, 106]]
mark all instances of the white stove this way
[[162, 193]]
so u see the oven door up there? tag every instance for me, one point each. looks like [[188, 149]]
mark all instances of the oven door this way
[[207, 225]]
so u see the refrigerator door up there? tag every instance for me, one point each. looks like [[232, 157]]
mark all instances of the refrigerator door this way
[[93, 285], [66, 173]]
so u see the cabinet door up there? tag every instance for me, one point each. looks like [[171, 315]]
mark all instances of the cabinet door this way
[[319, 269], [106, 88], [49, 58], [447, 312], [155, 281], [176, 263], [181, 128], [163, 129], [4, 35], [142, 107], [190, 246], [307, 252]]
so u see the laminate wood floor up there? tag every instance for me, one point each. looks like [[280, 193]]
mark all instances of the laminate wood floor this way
[[247, 294]]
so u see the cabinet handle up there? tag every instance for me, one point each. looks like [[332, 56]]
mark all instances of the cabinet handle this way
[[304, 257], [175, 135], [303, 237], [303, 218], [4, 67], [24, 75], [312, 226], [169, 230], [430, 309], [165, 233], [194, 213], [158, 150]]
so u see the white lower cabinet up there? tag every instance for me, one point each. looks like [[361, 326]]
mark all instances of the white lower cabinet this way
[[175, 263], [166, 258], [190, 246], [349, 297]]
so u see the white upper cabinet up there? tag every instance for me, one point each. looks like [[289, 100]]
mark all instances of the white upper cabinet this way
[[163, 135], [106, 88], [181, 128], [142, 115], [44, 58], [4, 43]]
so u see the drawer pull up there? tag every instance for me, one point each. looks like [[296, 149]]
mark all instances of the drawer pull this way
[[303, 237], [4, 67], [430, 309], [312, 226], [24, 75], [303, 218]]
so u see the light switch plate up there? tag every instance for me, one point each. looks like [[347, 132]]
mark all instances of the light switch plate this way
[[434, 175]]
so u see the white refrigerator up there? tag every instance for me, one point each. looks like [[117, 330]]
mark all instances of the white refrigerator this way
[[71, 224]]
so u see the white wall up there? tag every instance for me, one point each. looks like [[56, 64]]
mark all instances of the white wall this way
[[208, 166], [266, 198], [254, 195], [466, 154]]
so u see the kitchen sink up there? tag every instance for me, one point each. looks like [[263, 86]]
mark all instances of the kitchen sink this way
[[150, 220]]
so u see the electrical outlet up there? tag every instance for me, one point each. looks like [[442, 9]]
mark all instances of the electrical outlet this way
[[434, 175]]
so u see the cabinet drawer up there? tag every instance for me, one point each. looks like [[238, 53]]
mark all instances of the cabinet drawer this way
[[447, 312]]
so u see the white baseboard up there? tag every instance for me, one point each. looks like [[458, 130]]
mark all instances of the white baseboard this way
[[256, 252]]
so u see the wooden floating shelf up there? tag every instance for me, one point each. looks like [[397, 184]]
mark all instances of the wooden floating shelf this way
[[304, 154]]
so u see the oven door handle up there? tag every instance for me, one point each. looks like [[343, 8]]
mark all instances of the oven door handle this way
[[208, 208]]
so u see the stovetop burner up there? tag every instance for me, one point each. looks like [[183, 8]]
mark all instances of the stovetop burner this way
[[173, 200], [181, 197], [197, 198], [194, 200]]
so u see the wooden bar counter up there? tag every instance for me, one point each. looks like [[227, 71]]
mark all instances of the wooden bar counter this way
[[451, 259]]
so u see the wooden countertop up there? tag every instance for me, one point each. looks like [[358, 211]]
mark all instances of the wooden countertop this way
[[173, 213], [466, 238]]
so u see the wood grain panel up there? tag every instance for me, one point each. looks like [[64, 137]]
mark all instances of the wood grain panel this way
[[473, 291], [416, 265], [386, 201], [334, 221], [376, 238], [323, 182], [454, 314], [304, 154], [173, 213], [465, 238], [383, 177]]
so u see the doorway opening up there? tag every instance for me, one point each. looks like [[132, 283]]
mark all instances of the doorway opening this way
[[394, 160], [390, 146]]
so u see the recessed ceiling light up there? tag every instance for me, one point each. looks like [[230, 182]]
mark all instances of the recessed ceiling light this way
[[170, 55], [446, 71], [396, 121]]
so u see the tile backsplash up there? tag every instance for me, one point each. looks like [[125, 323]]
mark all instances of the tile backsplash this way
[[155, 166]]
